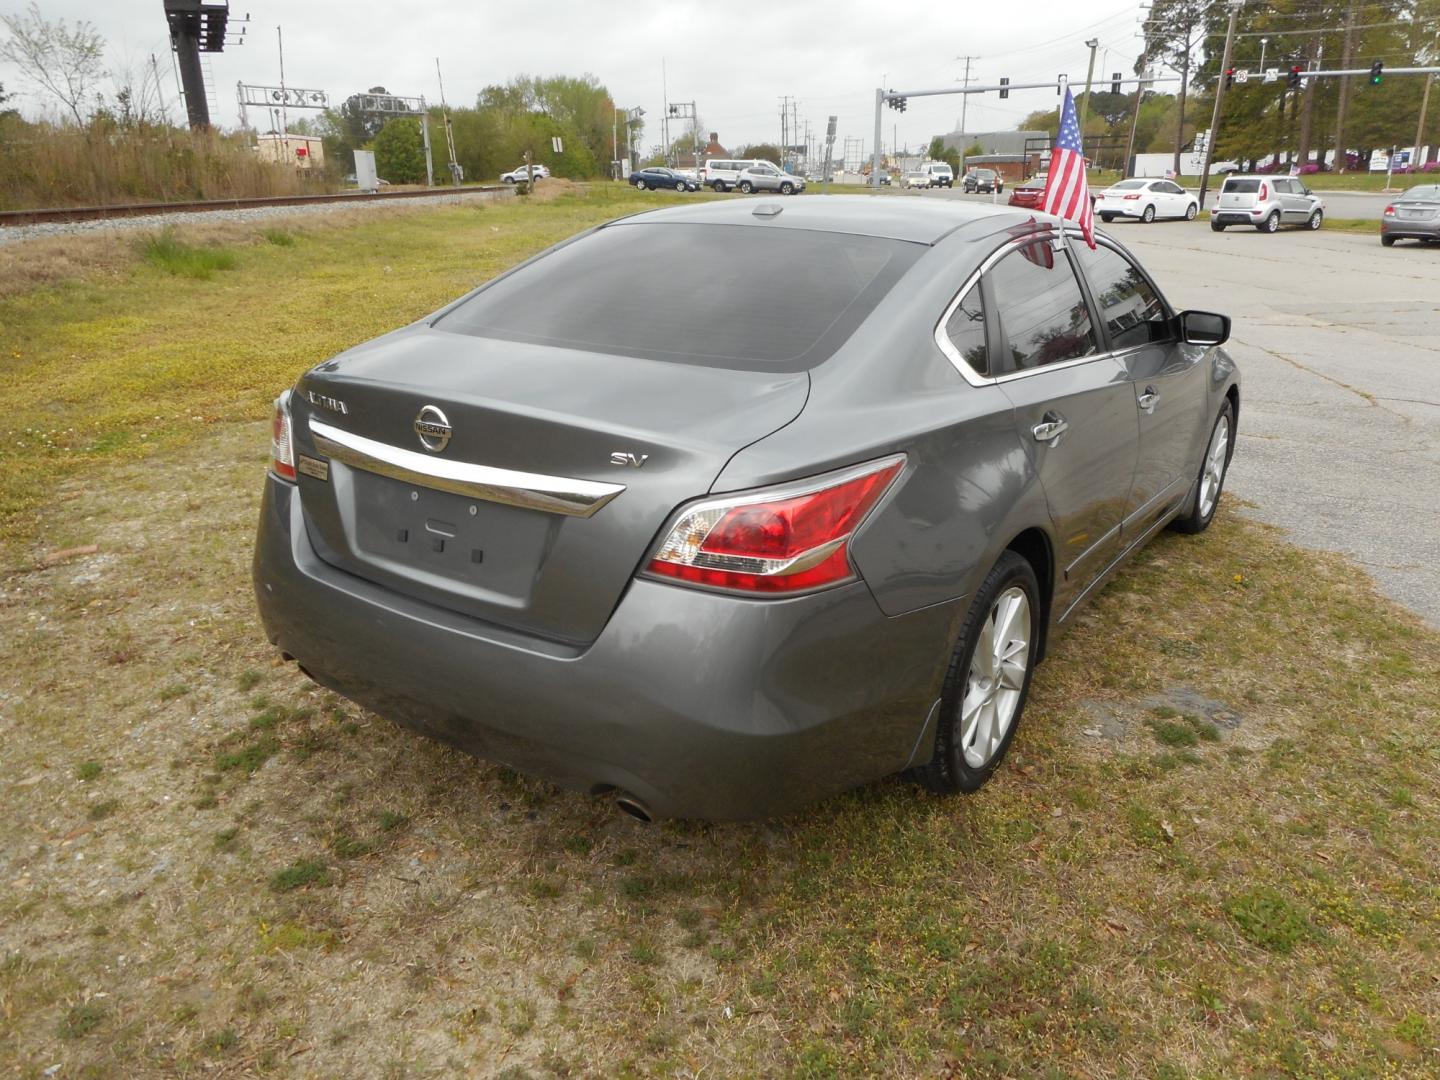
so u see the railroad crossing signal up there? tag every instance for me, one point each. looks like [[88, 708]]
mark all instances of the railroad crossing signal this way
[[1293, 81], [1115, 78], [1377, 73], [1004, 87], [1229, 78]]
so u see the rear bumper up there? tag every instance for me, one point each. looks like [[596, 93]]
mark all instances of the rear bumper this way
[[1134, 210], [702, 705], [1402, 229], [1240, 217]]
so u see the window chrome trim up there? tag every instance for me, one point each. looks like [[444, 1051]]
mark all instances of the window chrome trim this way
[[973, 377], [531, 491]]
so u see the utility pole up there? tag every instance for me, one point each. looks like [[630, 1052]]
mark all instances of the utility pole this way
[[1134, 123], [1343, 102], [875, 147], [964, 111], [1420, 127], [449, 132], [665, 112], [284, 119], [1219, 97], [1092, 44]]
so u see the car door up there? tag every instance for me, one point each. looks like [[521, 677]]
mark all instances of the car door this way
[[1168, 380], [1293, 205], [1074, 406], [1176, 200]]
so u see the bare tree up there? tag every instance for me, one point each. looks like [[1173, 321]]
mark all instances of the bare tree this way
[[64, 61], [1173, 31]]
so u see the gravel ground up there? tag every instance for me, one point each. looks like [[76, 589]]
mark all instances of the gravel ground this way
[[12, 233]]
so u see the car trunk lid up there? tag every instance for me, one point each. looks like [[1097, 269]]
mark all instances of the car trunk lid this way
[[558, 470], [1241, 194]]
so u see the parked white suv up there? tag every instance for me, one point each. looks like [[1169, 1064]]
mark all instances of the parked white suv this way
[[722, 175], [1267, 202], [767, 177]]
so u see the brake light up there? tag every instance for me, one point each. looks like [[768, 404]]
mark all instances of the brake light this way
[[782, 540], [282, 445], [1132, 197], [1264, 191], [1389, 211]]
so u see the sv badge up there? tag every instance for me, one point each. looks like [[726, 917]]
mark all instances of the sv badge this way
[[620, 457]]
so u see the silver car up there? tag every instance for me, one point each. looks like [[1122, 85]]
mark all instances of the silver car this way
[[767, 177], [1413, 216], [717, 550], [1267, 202]]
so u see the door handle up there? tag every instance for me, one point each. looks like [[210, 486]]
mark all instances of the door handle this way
[[1147, 400], [1052, 425]]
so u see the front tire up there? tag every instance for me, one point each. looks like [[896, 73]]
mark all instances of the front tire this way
[[988, 679], [1271, 224], [1211, 481], [1149, 215], [718, 188], [1316, 220]]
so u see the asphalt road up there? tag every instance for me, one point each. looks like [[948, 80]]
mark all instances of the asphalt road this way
[[1339, 343]]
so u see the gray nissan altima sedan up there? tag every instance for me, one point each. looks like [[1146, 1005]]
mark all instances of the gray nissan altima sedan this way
[[719, 544]]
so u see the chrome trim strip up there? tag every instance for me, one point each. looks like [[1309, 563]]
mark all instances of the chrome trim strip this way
[[970, 375], [532, 491]]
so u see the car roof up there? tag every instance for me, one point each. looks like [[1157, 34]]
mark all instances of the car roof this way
[[919, 221]]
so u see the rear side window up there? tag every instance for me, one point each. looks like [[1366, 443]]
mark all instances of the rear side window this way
[[1042, 312], [801, 295], [1245, 185], [1133, 311], [966, 330]]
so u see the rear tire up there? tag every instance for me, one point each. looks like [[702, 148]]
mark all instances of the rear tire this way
[[640, 185], [744, 187], [1388, 241], [986, 681], [1271, 224], [1217, 226], [1191, 211], [1211, 481], [786, 188], [718, 188], [1149, 215], [1107, 218]]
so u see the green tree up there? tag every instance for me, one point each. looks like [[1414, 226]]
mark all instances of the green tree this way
[[761, 151], [399, 152]]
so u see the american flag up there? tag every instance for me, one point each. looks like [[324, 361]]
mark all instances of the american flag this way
[[1067, 193]]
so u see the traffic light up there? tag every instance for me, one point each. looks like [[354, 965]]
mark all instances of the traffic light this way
[[1377, 72], [1229, 78], [1004, 87], [1060, 84], [902, 104], [1294, 80], [896, 103], [1115, 83]]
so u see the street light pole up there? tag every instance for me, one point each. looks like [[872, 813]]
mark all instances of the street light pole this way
[[1093, 43], [1263, 40]]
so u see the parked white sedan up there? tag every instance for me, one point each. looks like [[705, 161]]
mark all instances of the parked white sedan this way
[[1146, 200]]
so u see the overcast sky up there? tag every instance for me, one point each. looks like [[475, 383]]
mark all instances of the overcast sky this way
[[734, 61]]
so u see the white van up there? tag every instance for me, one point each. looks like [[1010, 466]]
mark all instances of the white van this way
[[724, 175], [940, 173]]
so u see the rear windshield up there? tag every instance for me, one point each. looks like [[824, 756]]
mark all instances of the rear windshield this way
[[1246, 184], [1128, 185], [1422, 191], [728, 296]]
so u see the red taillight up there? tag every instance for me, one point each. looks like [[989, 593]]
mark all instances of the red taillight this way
[[1389, 211], [282, 445], [1264, 191], [783, 540], [1132, 197]]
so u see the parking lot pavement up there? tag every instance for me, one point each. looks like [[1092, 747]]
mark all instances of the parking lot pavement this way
[[1339, 340]]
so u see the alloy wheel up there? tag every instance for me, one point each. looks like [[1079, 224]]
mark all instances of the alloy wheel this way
[[996, 678], [1214, 474]]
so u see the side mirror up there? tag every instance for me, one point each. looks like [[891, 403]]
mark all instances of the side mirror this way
[[1203, 328]]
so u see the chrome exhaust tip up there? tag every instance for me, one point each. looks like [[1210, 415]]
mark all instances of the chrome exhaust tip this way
[[634, 806]]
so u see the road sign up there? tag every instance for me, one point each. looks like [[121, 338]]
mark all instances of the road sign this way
[[1242, 75], [557, 145], [1272, 74]]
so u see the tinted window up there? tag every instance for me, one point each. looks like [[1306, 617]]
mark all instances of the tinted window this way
[[801, 295], [1422, 191], [966, 330], [1132, 310], [1129, 185], [1247, 184], [1042, 311]]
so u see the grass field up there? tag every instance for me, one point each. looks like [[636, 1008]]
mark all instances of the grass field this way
[[1211, 853]]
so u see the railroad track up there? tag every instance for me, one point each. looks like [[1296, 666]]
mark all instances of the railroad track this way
[[98, 213]]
